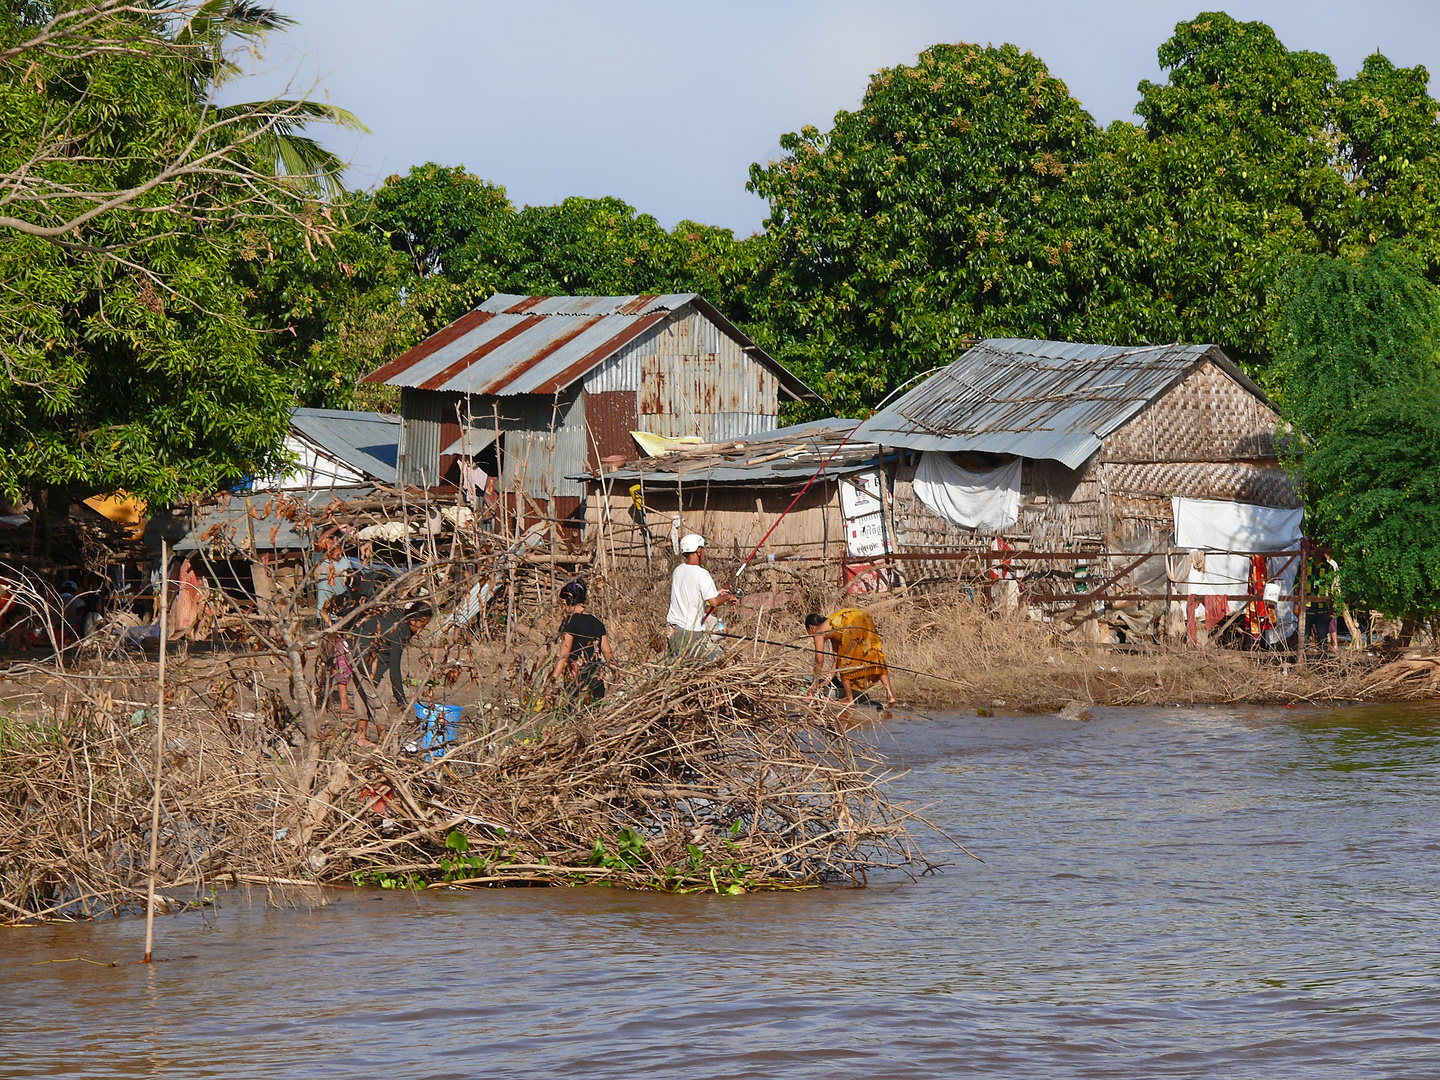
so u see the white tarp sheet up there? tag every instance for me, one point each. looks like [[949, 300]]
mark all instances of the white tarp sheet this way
[[986, 500], [1215, 526]]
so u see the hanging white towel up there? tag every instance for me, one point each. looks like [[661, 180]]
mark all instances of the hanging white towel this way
[[985, 500]]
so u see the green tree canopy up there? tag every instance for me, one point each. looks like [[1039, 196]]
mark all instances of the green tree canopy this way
[[1240, 175], [1375, 498], [1359, 348], [969, 195], [957, 201], [1348, 333], [130, 356]]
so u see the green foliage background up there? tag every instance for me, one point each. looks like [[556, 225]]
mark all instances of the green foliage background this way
[[968, 195]]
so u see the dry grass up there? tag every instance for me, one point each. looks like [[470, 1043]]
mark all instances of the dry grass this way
[[725, 778], [1005, 659]]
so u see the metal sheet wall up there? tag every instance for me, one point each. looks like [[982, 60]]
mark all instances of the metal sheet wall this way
[[692, 379], [532, 455], [418, 454], [610, 417]]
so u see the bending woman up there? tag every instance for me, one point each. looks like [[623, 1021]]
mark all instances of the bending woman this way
[[859, 655]]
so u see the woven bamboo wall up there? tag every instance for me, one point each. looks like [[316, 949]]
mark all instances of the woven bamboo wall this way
[[1058, 507], [1262, 482], [1207, 417], [1207, 438]]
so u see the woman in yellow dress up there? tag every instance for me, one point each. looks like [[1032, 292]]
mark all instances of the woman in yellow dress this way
[[859, 655]]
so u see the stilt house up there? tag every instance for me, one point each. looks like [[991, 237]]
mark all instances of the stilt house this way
[[541, 389]]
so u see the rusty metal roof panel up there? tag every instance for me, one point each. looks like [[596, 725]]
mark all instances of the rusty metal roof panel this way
[[515, 344], [1037, 399], [511, 303]]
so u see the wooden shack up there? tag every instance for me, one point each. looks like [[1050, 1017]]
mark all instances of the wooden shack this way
[[737, 493], [538, 389], [1108, 438]]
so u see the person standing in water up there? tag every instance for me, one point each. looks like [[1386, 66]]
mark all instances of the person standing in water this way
[[859, 654], [584, 643]]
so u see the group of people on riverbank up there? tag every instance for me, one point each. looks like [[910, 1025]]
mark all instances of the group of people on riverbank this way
[[846, 640], [368, 647]]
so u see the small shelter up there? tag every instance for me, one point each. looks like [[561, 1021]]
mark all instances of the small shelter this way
[[735, 493], [338, 448], [538, 388], [1058, 446]]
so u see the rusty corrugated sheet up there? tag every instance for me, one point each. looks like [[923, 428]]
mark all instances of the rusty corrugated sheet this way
[[510, 333], [438, 340], [610, 416], [639, 304], [600, 352], [541, 354], [531, 344], [524, 305]]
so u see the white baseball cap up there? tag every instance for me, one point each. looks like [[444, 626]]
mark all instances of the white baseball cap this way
[[691, 543]]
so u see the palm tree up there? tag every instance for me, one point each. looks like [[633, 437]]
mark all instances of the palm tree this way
[[210, 28]]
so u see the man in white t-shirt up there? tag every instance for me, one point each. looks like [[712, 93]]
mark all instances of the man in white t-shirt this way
[[693, 597]]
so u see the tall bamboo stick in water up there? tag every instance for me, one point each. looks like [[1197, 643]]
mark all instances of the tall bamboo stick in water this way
[[159, 752]]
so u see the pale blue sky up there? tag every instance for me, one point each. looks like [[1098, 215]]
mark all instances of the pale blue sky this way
[[666, 105]]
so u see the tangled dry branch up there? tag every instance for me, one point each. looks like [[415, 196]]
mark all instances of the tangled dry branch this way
[[713, 778]]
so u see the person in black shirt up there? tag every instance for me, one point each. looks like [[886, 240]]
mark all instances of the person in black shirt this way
[[381, 640], [583, 643]]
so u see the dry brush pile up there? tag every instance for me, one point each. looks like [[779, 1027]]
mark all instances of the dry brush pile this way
[[699, 778]]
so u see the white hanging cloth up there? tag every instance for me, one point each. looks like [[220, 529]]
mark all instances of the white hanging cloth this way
[[974, 500], [1214, 526]]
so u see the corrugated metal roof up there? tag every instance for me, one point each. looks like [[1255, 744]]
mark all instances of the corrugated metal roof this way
[[1038, 399], [364, 440], [223, 526], [542, 344], [786, 457]]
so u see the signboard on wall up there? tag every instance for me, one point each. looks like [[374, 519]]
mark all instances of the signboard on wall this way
[[862, 505], [865, 536], [860, 494]]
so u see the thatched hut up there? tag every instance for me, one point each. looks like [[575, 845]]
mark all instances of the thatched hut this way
[[1056, 446], [1106, 437]]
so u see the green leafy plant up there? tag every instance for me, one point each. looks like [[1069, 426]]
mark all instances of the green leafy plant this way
[[459, 864], [628, 854]]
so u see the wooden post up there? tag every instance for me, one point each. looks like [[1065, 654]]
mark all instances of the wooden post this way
[[159, 753], [1165, 620], [1300, 603], [499, 489]]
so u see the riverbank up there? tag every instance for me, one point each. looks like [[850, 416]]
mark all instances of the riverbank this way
[[723, 778], [713, 779]]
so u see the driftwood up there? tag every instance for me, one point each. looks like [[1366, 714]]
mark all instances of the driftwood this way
[[699, 778]]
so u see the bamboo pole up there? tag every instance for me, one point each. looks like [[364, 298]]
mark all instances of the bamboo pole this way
[[159, 753]]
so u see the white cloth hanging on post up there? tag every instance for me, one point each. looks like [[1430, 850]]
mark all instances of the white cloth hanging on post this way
[[973, 500], [1216, 526]]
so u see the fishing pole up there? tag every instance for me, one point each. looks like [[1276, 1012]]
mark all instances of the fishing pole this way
[[888, 397], [798, 496]]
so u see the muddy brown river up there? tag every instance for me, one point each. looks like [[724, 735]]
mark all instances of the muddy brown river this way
[[1166, 893]]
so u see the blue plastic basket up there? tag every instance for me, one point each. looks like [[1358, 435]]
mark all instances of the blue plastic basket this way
[[442, 724]]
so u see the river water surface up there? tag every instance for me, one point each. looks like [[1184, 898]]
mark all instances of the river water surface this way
[[1165, 893]]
